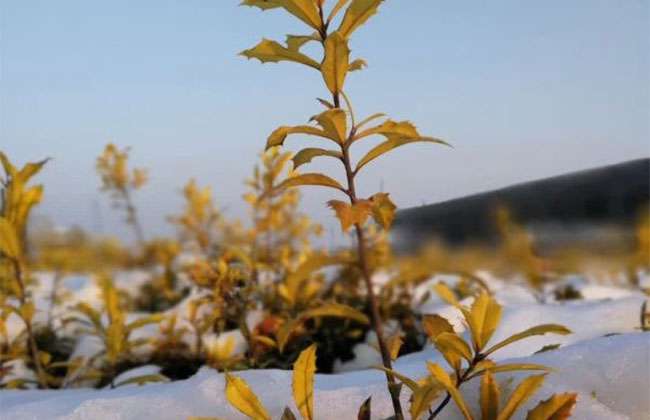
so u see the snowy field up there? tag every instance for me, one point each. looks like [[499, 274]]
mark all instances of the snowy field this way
[[606, 360]]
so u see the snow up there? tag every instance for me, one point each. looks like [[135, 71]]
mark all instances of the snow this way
[[606, 360], [607, 372]]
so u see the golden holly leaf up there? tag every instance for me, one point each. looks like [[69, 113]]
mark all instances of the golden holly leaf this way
[[269, 51], [335, 62], [306, 155], [357, 14], [383, 209]]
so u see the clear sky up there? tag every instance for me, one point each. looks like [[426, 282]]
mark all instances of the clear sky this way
[[522, 89]]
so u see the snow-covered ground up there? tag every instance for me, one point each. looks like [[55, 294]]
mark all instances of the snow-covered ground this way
[[606, 360]]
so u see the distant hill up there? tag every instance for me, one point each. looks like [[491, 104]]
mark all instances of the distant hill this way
[[558, 209]]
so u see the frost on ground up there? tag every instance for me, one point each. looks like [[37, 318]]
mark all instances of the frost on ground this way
[[606, 361]]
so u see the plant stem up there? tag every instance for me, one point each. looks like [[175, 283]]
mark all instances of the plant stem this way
[[31, 340], [377, 324], [459, 381], [132, 218]]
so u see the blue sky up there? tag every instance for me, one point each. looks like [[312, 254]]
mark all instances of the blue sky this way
[[522, 89]]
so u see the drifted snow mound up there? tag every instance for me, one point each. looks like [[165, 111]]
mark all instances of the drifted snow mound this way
[[610, 374]]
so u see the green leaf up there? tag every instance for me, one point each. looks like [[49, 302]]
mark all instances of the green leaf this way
[[357, 14], [520, 395], [306, 155], [335, 63], [303, 382], [243, 399], [278, 135], [269, 51], [558, 407], [538, 330], [390, 144], [445, 380], [313, 179]]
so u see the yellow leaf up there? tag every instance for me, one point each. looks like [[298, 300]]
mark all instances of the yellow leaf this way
[[451, 343], [520, 395], [335, 62], [268, 51], [9, 243], [434, 325], [295, 42], [8, 167], [489, 397], [262, 4], [27, 311], [278, 135], [336, 9], [483, 318], [507, 367], [337, 310], [383, 209], [537, 330], [243, 399], [446, 294], [410, 383], [558, 407], [394, 344], [306, 155], [313, 179], [445, 380], [295, 280], [303, 382], [358, 64], [350, 214], [357, 14], [305, 10], [390, 144], [422, 398], [334, 123]]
